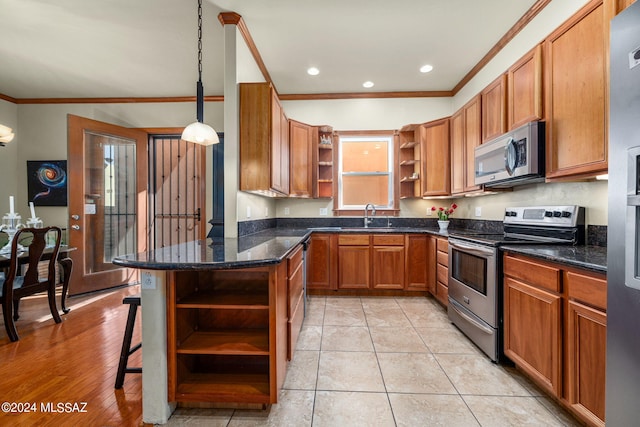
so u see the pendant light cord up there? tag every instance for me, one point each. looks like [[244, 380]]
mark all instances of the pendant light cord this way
[[199, 40]]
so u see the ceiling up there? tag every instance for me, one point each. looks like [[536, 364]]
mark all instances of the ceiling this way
[[148, 48]]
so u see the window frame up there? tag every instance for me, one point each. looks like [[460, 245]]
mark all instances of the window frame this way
[[389, 135]]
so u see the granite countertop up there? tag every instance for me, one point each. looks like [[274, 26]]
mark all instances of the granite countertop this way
[[257, 250], [592, 258]]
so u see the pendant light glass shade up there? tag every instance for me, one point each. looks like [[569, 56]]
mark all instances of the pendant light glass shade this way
[[6, 134], [198, 132]]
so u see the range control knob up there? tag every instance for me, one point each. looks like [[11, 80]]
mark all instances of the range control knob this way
[[566, 214], [548, 214], [557, 214]]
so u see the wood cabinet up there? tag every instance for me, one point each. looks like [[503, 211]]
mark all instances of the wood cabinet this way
[[264, 141], [532, 321], [524, 89], [325, 162], [322, 259], [409, 164], [416, 261], [494, 109], [555, 328], [586, 345], [436, 163], [442, 271], [226, 335], [354, 268], [465, 137], [387, 260], [295, 299], [575, 95], [301, 150]]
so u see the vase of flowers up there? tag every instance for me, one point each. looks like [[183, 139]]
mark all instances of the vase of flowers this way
[[443, 215]]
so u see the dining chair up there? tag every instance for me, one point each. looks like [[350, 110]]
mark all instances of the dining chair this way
[[15, 286]]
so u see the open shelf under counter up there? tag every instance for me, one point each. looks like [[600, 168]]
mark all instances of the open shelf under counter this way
[[226, 300], [204, 387], [227, 342]]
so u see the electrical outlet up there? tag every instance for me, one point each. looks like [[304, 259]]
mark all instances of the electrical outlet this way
[[429, 212], [266, 211], [286, 211], [323, 211], [248, 211], [478, 211]]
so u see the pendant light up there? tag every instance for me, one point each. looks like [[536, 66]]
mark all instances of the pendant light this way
[[6, 135], [198, 132]]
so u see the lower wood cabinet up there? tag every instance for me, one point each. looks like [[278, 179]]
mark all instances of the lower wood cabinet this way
[[295, 299], [322, 258], [555, 330], [371, 262], [388, 261]]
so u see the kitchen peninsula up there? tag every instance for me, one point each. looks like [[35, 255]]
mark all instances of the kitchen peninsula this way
[[219, 320]]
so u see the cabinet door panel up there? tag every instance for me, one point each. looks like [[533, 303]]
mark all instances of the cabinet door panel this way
[[532, 332], [353, 267], [494, 109], [416, 262], [436, 164], [575, 66], [457, 153], [472, 138], [388, 267], [319, 262], [300, 159], [524, 91], [587, 337]]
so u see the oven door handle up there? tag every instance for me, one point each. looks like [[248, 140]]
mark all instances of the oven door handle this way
[[475, 250], [474, 322]]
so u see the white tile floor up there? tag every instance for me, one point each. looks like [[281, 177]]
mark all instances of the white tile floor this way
[[382, 361]]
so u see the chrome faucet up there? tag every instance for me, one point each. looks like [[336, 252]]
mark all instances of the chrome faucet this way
[[368, 220]]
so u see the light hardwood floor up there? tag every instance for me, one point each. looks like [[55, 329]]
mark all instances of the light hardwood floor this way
[[74, 362]]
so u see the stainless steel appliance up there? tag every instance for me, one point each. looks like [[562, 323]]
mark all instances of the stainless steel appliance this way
[[512, 159], [623, 259], [475, 267]]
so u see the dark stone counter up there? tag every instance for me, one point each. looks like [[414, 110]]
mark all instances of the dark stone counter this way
[[592, 258]]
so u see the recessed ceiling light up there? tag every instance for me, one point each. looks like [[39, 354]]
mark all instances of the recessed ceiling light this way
[[313, 71], [367, 84], [426, 68]]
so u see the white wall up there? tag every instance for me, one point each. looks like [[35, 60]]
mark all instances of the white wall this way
[[9, 158]]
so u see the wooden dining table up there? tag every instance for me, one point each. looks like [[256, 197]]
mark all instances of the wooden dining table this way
[[63, 259]]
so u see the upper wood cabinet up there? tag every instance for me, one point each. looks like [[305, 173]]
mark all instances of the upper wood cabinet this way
[[575, 95], [524, 89], [301, 150], [494, 109], [264, 141], [465, 137], [324, 153], [436, 162]]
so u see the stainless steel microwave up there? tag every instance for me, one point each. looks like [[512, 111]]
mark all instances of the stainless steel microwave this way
[[514, 158]]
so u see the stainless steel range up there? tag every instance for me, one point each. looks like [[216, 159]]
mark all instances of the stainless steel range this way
[[475, 267]]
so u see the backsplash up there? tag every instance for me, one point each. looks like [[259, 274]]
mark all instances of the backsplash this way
[[596, 234]]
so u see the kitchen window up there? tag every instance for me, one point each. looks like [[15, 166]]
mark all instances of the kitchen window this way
[[365, 171]]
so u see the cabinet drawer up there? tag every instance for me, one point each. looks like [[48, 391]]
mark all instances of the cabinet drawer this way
[[442, 258], [588, 289], [294, 290], [353, 239], [293, 327], [443, 245], [442, 274], [541, 275], [442, 293], [294, 260], [388, 239]]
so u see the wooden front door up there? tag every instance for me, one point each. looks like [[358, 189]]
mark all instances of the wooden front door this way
[[107, 201]]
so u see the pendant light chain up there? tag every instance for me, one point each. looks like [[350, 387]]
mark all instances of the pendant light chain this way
[[199, 40]]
